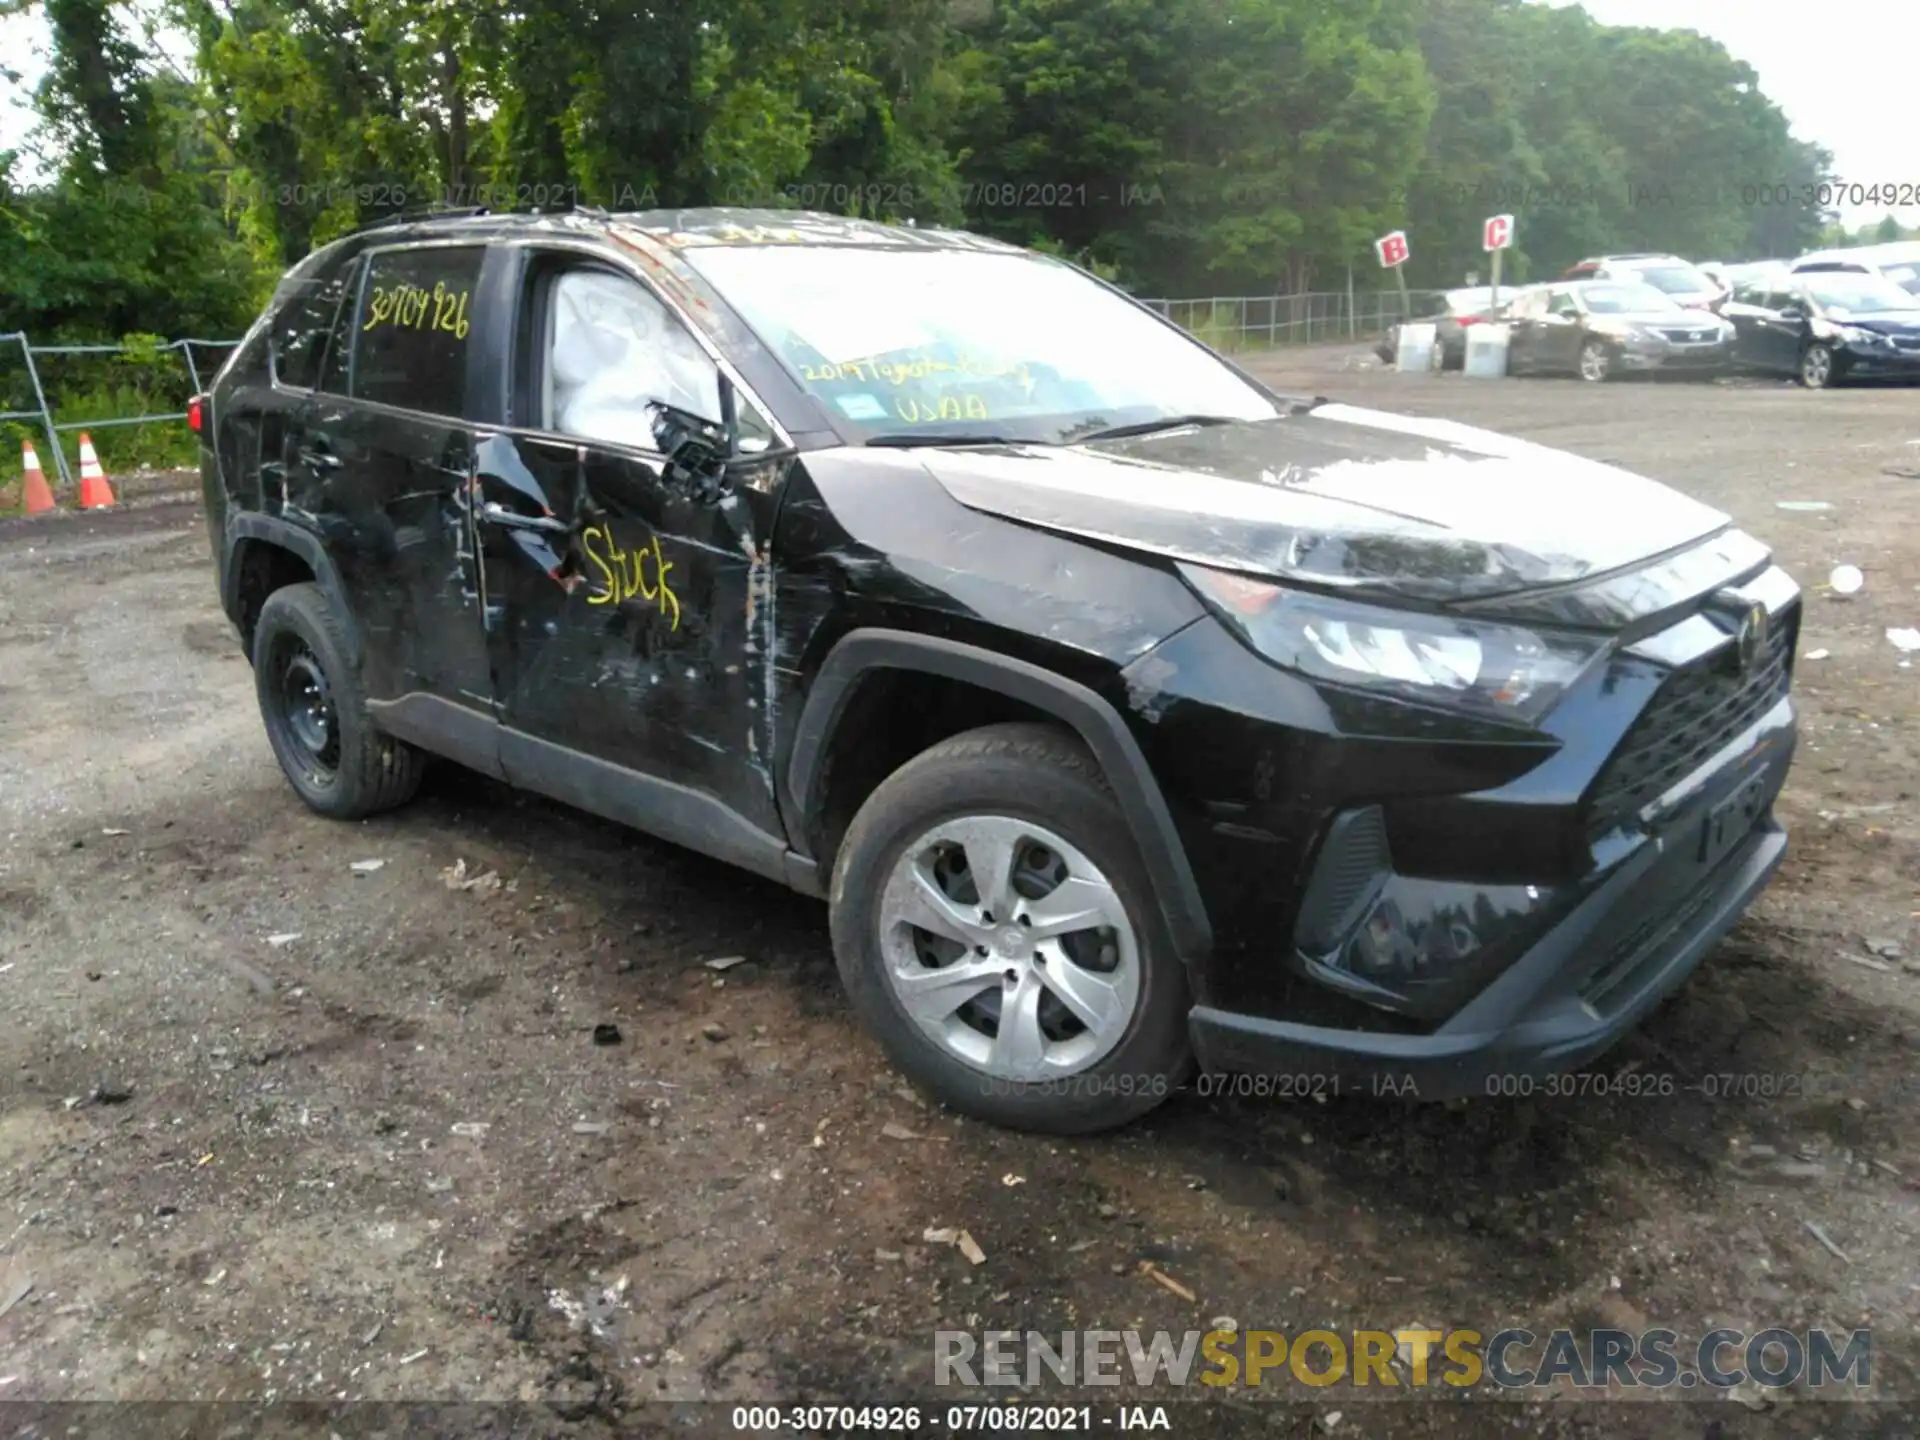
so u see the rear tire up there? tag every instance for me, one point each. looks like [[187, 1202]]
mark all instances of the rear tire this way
[[315, 711], [1066, 1013]]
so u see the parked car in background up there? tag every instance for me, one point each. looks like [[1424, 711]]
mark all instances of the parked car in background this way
[[1898, 262], [1685, 282], [1459, 309], [1598, 329], [1826, 327]]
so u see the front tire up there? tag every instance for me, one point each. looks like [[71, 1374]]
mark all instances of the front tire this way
[[1817, 368], [1596, 362], [315, 711], [995, 929]]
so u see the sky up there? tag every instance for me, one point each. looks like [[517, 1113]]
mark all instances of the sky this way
[[1859, 112], [1829, 96]]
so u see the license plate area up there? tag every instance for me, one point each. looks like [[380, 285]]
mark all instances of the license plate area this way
[[1729, 821]]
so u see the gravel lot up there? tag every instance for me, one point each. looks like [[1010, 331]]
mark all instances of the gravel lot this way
[[272, 1128]]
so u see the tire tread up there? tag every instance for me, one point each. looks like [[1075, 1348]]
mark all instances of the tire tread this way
[[377, 772]]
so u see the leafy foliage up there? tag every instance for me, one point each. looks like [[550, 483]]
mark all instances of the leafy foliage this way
[[1179, 146]]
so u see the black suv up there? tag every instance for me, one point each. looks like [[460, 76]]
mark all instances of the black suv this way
[[1125, 712]]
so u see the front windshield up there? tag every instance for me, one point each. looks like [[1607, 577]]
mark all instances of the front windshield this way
[[1907, 277], [965, 342], [1845, 294], [1675, 279], [1625, 299]]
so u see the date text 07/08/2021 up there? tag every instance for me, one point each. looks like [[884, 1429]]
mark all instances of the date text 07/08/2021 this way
[[949, 1419], [1629, 1083]]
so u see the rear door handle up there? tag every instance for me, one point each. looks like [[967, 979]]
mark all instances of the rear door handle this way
[[494, 513]]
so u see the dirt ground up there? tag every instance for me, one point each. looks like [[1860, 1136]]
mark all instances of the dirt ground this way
[[274, 1129]]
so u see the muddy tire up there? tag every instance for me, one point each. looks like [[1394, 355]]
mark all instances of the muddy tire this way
[[994, 928], [316, 711]]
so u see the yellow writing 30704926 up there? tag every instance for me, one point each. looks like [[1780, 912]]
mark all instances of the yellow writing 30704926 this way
[[629, 574]]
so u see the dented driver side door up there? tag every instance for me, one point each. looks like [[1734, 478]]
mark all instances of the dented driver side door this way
[[626, 619]]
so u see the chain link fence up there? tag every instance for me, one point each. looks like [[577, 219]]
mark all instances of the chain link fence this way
[[1264, 322], [51, 393]]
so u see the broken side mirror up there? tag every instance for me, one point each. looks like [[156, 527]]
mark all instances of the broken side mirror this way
[[696, 450]]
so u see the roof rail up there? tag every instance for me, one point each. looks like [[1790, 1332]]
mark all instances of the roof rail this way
[[423, 212]]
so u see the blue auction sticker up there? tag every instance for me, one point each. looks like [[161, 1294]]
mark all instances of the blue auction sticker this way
[[863, 407]]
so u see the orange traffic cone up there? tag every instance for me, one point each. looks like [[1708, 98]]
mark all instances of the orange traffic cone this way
[[38, 494], [95, 492]]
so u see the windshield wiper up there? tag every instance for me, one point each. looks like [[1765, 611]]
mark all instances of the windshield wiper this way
[[1148, 427], [907, 439]]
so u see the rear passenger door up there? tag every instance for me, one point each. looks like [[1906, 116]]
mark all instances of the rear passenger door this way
[[381, 472]]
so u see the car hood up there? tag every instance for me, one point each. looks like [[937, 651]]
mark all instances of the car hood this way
[[1882, 324], [1341, 497]]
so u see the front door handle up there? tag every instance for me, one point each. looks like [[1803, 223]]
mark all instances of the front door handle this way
[[320, 459], [494, 513]]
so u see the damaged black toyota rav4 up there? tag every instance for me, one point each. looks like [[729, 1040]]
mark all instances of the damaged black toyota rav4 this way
[[1126, 713]]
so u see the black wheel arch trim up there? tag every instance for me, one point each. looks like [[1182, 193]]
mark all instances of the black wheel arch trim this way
[[270, 529], [863, 651]]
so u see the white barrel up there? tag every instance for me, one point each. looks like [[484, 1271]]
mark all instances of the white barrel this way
[[1487, 350], [1413, 347]]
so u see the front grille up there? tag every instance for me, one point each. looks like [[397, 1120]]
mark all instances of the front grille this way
[[1697, 711], [1689, 337]]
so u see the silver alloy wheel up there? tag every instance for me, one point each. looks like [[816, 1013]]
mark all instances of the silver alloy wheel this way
[[1594, 361], [1009, 948], [1816, 367]]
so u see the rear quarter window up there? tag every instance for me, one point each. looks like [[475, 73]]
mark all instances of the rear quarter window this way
[[304, 312], [411, 329]]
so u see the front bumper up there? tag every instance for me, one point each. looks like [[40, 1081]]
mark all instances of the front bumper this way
[[1716, 356], [1627, 944], [1864, 361]]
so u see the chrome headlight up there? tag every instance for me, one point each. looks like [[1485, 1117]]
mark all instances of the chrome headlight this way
[[1853, 335], [1501, 671]]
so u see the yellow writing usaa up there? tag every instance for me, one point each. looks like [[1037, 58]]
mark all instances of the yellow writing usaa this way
[[625, 573], [949, 407], [409, 305]]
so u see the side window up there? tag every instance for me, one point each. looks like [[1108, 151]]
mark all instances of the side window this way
[[303, 321], [610, 348], [1564, 303], [335, 365], [410, 332], [1750, 292]]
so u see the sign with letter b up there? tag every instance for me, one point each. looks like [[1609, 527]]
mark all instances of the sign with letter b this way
[[1392, 249]]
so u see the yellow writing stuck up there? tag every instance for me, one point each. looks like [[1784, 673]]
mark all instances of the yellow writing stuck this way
[[630, 574], [412, 307]]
